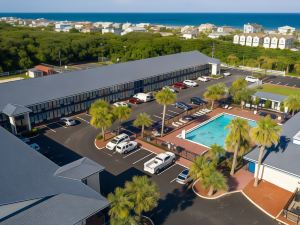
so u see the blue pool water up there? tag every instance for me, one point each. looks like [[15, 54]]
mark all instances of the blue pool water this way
[[213, 132]]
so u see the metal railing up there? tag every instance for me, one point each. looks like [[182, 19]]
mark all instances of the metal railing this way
[[167, 146]]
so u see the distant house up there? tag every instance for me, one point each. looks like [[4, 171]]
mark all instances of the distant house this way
[[278, 41], [134, 29], [215, 35], [252, 28], [207, 27], [190, 33], [111, 30], [225, 29], [63, 27], [286, 30], [40, 70]]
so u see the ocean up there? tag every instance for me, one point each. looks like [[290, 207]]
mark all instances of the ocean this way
[[268, 20]]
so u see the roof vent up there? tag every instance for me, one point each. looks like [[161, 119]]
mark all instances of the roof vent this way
[[296, 138]]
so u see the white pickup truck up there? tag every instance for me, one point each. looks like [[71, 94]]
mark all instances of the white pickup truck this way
[[159, 162]]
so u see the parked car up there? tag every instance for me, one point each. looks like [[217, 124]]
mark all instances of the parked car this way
[[170, 88], [126, 147], [251, 79], [203, 78], [144, 97], [117, 140], [134, 101], [35, 146], [68, 121], [183, 106], [197, 101], [156, 132], [183, 177], [227, 74], [118, 104], [190, 83], [179, 85], [159, 162]]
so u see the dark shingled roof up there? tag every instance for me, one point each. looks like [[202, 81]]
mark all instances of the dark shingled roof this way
[[270, 96], [27, 175], [286, 155], [15, 110], [32, 91], [61, 209], [79, 169]]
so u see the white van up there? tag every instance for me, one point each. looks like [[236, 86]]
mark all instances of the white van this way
[[117, 140], [126, 147], [144, 97], [251, 79]]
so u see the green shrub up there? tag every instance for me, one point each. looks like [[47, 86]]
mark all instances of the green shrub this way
[[268, 104], [99, 137]]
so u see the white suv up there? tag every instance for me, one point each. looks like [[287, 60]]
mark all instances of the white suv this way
[[117, 140], [126, 146], [68, 121], [190, 83], [251, 79]]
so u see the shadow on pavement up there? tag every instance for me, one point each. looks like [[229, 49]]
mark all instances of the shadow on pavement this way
[[177, 200]]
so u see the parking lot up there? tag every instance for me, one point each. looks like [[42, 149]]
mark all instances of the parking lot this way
[[285, 81], [178, 204]]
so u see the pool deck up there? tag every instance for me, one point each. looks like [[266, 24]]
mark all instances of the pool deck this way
[[196, 148]]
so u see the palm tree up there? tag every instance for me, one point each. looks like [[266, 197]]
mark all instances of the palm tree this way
[[165, 97], [143, 193], [143, 120], [215, 92], [121, 113], [292, 103], [215, 152], [120, 205], [215, 181], [238, 134], [265, 134], [200, 168], [101, 116]]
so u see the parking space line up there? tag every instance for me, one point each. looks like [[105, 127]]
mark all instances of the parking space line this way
[[168, 115], [173, 180], [82, 119], [173, 112], [142, 158], [49, 128], [132, 153], [88, 114], [157, 116], [279, 83], [167, 169]]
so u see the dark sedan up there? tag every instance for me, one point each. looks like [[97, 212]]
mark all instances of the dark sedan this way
[[183, 106], [197, 101]]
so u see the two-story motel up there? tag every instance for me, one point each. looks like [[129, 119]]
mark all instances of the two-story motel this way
[[26, 103]]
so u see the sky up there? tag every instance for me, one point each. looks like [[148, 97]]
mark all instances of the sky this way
[[285, 6]]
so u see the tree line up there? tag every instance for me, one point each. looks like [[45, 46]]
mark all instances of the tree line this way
[[23, 47]]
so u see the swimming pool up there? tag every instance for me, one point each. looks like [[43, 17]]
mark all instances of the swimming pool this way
[[213, 131]]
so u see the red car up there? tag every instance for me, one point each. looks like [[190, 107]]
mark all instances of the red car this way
[[134, 101], [179, 85]]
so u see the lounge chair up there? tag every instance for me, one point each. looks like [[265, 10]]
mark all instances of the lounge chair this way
[[175, 124], [225, 106], [182, 121], [178, 123], [230, 107]]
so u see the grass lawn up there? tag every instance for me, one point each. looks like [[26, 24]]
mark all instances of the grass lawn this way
[[23, 75], [277, 89]]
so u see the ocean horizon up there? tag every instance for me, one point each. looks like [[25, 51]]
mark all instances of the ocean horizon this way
[[237, 20]]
